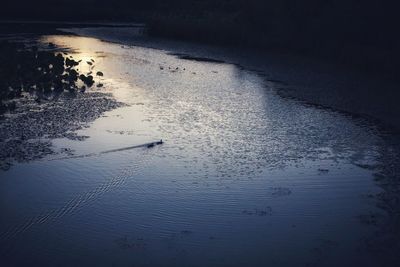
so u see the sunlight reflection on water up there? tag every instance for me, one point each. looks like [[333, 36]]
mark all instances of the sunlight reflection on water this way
[[245, 178]]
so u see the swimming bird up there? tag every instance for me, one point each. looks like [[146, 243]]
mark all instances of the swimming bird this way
[[150, 145]]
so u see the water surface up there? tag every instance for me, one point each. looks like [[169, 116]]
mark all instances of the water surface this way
[[244, 177]]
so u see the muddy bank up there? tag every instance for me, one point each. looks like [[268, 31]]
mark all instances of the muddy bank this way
[[311, 80], [42, 97], [26, 132]]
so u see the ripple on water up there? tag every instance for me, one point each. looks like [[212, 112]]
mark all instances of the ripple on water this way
[[269, 179]]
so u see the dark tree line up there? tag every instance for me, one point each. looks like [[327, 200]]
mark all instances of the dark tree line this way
[[369, 21], [338, 27]]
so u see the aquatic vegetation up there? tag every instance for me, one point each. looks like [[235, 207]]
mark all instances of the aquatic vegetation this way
[[44, 88], [42, 74]]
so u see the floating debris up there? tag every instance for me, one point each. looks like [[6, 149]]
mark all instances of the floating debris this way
[[259, 212]]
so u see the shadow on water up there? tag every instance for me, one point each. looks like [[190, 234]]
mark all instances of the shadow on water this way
[[384, 242], [196, 58]]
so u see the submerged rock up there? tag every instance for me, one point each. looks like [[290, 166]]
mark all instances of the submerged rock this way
[[42, 74]]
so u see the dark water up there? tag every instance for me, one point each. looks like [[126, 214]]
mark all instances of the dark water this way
[[244, 177]]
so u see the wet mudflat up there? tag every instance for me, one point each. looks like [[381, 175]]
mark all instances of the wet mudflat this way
[[243, 177]]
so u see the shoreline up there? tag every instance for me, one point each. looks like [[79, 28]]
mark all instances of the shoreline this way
[[35, 114], [310, 80]]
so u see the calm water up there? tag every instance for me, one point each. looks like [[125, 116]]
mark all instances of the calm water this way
[[244, 178]]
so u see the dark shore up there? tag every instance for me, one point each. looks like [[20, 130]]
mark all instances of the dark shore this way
[[312, 80], [315, 82], [338, 54], [361, 35], [43, 96]]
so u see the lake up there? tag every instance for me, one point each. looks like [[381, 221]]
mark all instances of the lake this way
[[244, 177]]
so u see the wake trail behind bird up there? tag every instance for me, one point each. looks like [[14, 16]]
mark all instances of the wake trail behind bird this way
[[81, 200], [148, 145]]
